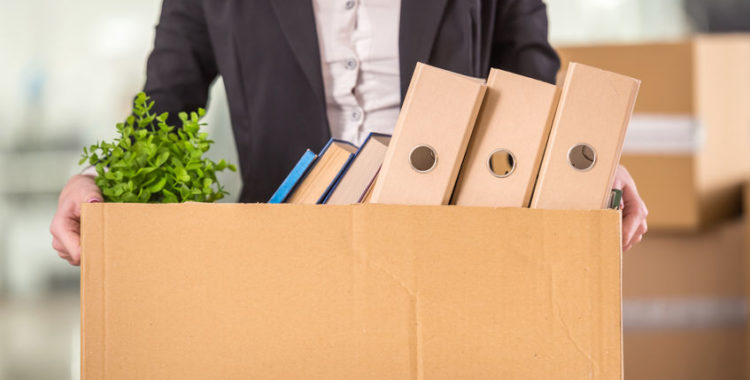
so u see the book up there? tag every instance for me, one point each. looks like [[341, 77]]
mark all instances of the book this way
[[430, 138], [299, 171], [356, 180], [506, 148], [368, 194], [586, 140], [324, 173]]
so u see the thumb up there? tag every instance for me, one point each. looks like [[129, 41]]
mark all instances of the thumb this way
[[93, 197]]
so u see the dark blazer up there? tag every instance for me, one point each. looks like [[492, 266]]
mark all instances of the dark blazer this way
[[267, 53]]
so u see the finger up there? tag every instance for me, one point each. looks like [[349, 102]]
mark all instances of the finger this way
[[634, 242], [643, 228], [58, 246], [645, 223], [634, 210], [636, 239], [64, 256], [67, 232], [626, 247], [630, 223], [93, 197]]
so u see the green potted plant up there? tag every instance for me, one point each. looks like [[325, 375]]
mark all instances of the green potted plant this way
[[153, 162]]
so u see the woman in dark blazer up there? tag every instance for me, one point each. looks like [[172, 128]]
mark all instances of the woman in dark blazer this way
[[267, 53]]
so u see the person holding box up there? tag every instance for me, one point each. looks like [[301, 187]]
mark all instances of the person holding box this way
[[298, 72]]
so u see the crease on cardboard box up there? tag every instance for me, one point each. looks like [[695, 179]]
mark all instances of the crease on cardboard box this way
[[359, 235], [557, 307]]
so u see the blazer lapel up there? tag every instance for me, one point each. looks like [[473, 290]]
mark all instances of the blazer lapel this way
[[297, 21], [418, 27]]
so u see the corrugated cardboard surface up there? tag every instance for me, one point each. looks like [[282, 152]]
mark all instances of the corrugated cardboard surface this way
[[339, 292]]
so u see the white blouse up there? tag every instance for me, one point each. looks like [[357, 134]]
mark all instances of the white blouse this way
[[358, 42]]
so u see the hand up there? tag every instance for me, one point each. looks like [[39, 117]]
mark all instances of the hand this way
[[66, 225], [634, 211]]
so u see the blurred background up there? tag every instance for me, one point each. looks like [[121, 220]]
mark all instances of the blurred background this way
[[71, 68]]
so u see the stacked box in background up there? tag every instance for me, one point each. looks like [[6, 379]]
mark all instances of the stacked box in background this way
[[688, 149], [684, 305], [695, 98]]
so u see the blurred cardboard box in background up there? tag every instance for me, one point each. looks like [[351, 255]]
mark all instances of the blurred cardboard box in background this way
[[688, 145], [684, 308]]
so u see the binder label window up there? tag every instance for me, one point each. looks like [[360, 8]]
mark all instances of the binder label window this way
[[423, 158], [501, 163], [582, 157]]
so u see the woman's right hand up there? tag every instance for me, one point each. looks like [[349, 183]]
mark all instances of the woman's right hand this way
[[66, 225]]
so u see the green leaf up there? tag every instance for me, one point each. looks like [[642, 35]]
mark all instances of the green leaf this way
[[158, 186], [221, 165], [161, 159], [129, 197], [169, 196], [193, 166], [144, 196]]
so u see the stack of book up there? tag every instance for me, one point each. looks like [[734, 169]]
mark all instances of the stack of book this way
[[341, 174], [510, 141]]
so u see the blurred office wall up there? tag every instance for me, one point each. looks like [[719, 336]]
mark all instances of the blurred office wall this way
[[588, 21], [70, 69]]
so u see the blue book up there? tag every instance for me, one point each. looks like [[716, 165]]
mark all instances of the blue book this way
[[294, 177]]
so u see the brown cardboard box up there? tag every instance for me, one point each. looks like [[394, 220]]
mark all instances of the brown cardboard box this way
[[196, 291], [702, 82], [746, 266], [684, 309], [685, 354], [672, 265]]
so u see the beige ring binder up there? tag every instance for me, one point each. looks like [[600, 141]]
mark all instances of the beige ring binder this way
[[439, 112], [594, 110], [516, 116]]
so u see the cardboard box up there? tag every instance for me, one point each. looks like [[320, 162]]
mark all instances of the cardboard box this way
[[195, 291], [685, 354], [684, 309], [696, 88], [746, 241], [676, 265]]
